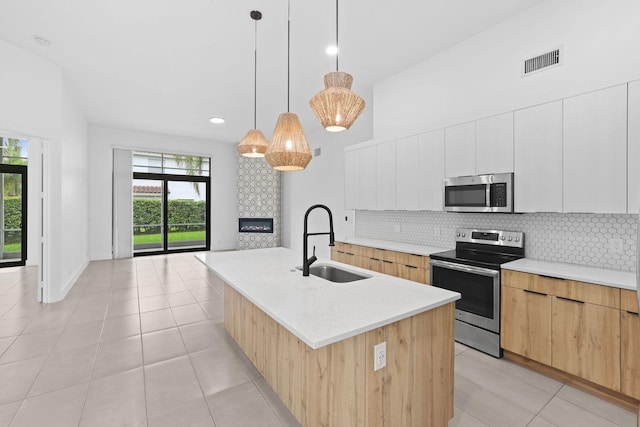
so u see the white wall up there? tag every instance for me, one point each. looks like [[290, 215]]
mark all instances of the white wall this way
[[223, 191], [36, 103], [321, 182], [480, 76]]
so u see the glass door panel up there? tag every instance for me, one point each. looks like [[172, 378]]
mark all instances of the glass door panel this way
[[148, 215], [186, 214], [13, 215]]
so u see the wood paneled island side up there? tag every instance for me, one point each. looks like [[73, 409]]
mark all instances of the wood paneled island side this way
[[313, 340]]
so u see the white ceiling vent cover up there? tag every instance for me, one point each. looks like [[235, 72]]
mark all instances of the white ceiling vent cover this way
[[542, 62]]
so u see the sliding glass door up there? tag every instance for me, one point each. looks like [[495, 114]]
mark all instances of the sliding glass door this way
[[170, 213], [13, 215]]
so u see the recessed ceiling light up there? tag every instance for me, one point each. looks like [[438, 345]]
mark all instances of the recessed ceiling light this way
[[42, 40], [332, 50], [216, 120]]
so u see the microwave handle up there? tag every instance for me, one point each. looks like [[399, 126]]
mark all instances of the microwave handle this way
[[466, 268], [487, 197]]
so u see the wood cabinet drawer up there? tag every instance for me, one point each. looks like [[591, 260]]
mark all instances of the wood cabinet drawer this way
[[580, 291], [348, 248], [420, 261], [628, 301], [381, 254], [630, 343], [415, 274]]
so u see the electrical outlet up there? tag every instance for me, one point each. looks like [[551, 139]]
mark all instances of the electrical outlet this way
[[380, 356], [615, 246]]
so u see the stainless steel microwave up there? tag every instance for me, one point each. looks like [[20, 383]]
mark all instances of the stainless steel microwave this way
[[479, 193]]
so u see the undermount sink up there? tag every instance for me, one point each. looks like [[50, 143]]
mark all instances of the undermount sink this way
[[335, 274]]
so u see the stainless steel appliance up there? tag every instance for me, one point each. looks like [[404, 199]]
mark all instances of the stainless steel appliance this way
[[473, 270], [479, 193]]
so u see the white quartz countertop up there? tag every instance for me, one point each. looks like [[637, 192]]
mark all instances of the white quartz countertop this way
[[600, 276], [318, 311], [394, 246]]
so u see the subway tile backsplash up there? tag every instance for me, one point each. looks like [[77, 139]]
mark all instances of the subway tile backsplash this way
[[584, 239]]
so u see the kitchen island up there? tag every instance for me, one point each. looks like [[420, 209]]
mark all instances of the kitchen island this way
[[313, 340]]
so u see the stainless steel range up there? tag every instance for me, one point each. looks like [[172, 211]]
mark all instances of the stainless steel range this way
[[473, 270]]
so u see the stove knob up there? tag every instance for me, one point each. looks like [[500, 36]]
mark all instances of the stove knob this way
[[502, 238], [464, 235], [517, 239], [510, 238], [457, 234]]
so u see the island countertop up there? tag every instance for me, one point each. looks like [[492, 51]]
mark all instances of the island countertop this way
[[315, 310]]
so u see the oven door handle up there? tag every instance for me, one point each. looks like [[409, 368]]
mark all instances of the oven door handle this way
[[466, 268]]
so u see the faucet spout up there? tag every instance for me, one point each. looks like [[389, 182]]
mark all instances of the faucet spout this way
[[306, 262]]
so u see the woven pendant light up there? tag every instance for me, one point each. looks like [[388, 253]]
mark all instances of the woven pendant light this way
[[254, 143], [288, 150], [337, 107]]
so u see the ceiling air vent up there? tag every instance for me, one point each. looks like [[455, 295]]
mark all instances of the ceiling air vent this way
[[542, 62]]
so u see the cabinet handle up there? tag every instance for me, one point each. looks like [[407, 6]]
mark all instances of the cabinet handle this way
[[388, 262], [374, 259], [349, 253], [572, 300], [410, 266], [534, 292], [633, 313], [551, 277]]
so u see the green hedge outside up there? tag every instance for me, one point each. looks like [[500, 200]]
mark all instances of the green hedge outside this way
[[148, 211], [12, 218]]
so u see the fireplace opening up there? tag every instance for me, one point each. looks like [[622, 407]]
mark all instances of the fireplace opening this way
[[255, 225]]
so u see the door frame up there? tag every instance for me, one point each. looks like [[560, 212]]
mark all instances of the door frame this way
[[20, 170], [166, 178]]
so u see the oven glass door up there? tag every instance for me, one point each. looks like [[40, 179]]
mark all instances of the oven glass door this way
[[480, 290], [473, 195]]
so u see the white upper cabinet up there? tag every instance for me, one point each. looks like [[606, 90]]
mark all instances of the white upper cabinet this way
[[595, 151], [494, 144], [538, 158], [385, 181], [367, 172], [407, 169], [351, 177], [634, 147], [431, 170], [460, 150]]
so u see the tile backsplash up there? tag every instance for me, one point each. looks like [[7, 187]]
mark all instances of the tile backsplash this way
[[584, 239]]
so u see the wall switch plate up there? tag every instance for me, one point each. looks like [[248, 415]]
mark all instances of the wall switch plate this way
[[380, 356], [616, 246]]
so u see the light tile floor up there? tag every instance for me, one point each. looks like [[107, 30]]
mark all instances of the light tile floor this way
[[140, 342]]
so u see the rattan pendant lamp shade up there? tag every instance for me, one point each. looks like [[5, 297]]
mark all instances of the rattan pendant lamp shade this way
[[254, 143], [288, 150], [337, 107]]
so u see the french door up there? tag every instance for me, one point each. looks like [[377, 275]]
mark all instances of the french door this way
[[170, 213], [13, 215]]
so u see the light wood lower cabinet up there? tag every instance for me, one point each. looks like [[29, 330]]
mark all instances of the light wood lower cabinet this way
[[586, 341], [335, 385], [399, 264], [526, 320], [583, 329], [630, 338]]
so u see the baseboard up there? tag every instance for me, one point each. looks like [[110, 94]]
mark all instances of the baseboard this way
[[69, 284], [102, 256], [582, 384]]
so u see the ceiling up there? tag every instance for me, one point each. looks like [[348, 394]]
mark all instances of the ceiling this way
[[167, 66]]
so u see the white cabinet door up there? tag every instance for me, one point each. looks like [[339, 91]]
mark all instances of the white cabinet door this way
[[407, 168], [386, 176], [538, 158], [431, 171], [595, 151], [351, 177], [460, 150], [634, 147], [494, 144], [367, 168]]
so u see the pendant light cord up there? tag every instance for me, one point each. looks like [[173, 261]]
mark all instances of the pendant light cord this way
[[255, 76], [288, 53], [337, 45]]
